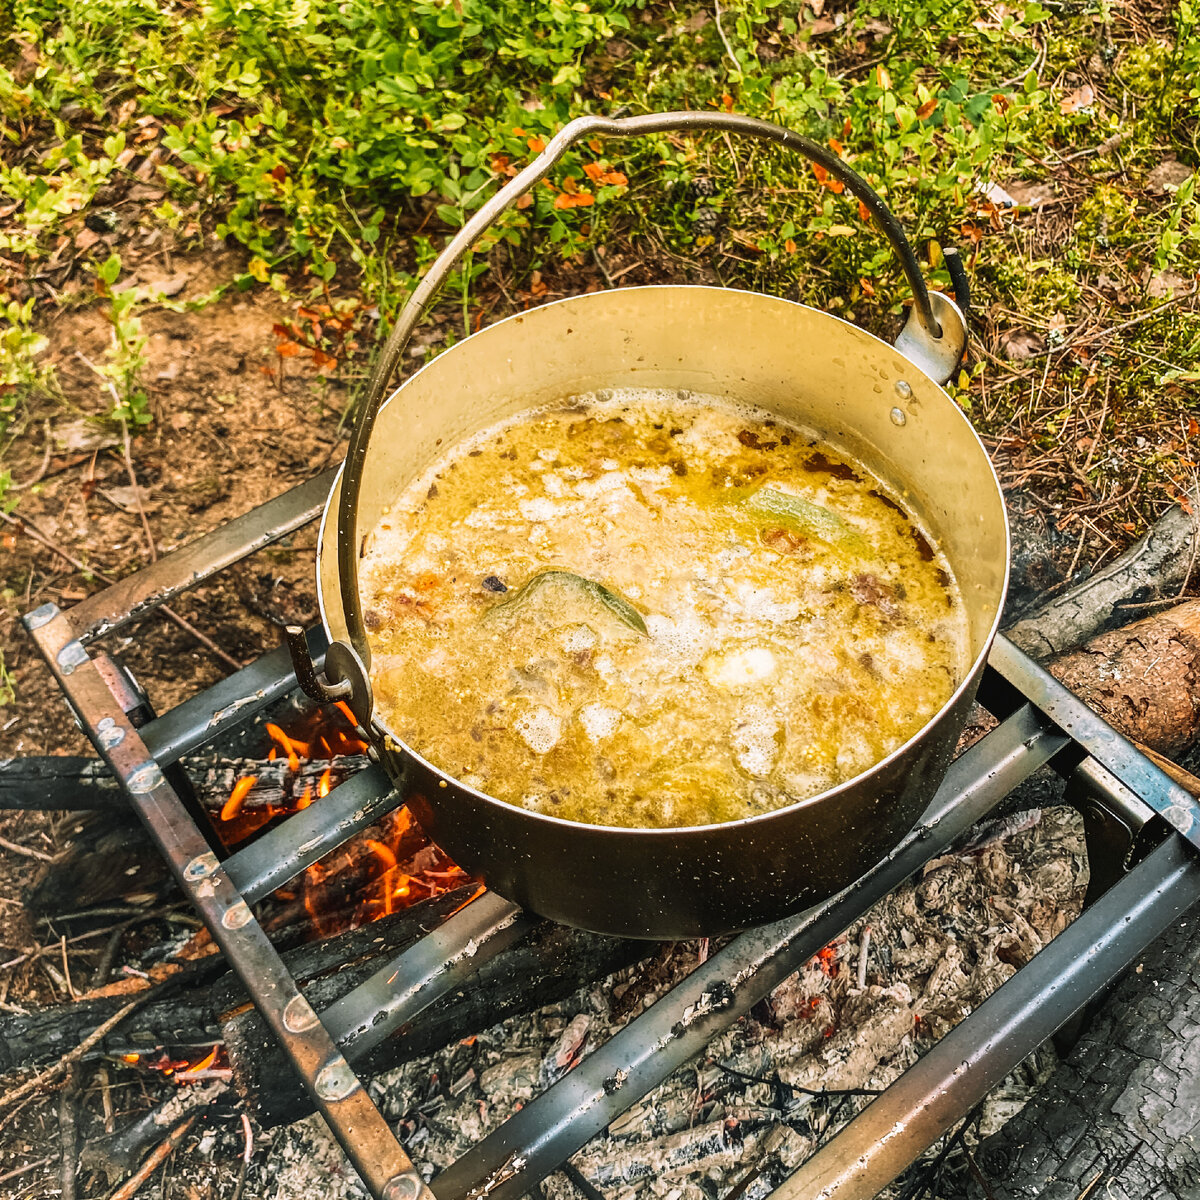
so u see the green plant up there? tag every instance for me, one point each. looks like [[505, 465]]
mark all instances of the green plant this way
[[20, 346], [8, 685], [125, 357]]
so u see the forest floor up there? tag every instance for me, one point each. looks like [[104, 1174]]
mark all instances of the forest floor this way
[[209, 214]]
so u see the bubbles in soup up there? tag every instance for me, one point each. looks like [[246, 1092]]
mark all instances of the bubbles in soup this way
[[656, 611]]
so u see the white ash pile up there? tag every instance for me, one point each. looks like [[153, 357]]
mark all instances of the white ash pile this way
[[777, 1083]]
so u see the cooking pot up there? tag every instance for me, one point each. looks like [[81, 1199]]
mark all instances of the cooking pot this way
[[881, 404]]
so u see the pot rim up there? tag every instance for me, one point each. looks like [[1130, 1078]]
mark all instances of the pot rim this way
[[445, 779]]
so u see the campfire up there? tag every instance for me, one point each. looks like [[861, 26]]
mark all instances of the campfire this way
[[578, 1040], [374, 874]]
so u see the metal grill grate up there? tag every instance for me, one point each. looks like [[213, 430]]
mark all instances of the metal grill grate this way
[[1040, 723]]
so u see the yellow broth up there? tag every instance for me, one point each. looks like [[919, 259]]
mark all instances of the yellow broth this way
[[656, 609]]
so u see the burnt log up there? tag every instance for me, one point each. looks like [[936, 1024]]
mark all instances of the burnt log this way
[[549, 964], [1118, 1116], [206, 1004], [1164, 559], [78, 783]]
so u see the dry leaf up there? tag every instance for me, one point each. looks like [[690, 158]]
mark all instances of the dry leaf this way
[[1017, 344], [126, 498], [1030, 193], [82, 435], [1167, 176], [1083, 97]]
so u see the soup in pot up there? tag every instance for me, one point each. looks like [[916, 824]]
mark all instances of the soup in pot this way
[[656, 609]]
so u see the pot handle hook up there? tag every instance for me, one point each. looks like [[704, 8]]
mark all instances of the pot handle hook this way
[[934, 337]]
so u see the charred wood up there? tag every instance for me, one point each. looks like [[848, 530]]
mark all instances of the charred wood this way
[[117, 1155], [548, 965], [205, 1004], [1164, 559], [188, 1011], [79, 783], [1117, 1118]]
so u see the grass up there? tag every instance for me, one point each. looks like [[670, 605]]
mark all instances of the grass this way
[[340, 143]]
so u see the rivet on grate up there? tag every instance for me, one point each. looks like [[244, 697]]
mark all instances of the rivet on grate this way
[[298, 1016], [145, 779], [110, 733], [201, 866], [237, 916], [335, 1080], [402, 1187]]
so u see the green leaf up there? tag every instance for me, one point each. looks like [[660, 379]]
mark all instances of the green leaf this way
[[801, 516], [567, 581], [110, 269]]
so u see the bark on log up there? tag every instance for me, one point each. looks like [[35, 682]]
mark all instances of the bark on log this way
[[1163, 559], [1118, 1119], [1143, 679]]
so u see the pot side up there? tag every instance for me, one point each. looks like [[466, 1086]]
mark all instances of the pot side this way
[[811, 369]]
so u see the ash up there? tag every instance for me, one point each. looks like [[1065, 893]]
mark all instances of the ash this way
[[767, 1092]]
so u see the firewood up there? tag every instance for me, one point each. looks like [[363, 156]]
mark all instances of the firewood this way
[[206, 1004], [1162, 560], [1144, 679], [73, 782]]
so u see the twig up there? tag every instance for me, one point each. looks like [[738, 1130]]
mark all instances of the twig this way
[[1087, 462], [977, 1174], [26, 524], [25, 851], [247, 1154], [69, 1163], [733, 58], [110, 1120], [33, 1166], [40, 473], [1067, 343], [129, 1189], [1184, 778], [151, 549], [73, 1056], [67, 969]]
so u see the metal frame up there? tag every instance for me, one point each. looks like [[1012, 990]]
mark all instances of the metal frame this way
[[1040, 723]]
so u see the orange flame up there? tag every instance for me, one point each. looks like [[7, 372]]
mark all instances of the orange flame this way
[[237, 797], [291, 748], [203, 1065], [390, 870]]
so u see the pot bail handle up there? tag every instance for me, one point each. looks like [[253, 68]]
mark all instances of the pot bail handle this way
[[933, 338]]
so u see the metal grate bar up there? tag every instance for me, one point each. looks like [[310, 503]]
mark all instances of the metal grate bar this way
[[227, 704], [284, 851], [536, 1140], [1043, 723], [931, 1097], [138, 594], [426, 971], [1110, 748], [361, 1129]]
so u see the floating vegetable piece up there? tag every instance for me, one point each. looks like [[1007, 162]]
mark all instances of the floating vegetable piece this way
[[803, 517], [586, 588]]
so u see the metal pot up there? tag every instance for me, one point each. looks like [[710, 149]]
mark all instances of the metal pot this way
[[881, 404]]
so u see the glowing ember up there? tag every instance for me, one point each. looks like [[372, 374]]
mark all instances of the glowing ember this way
[[214, 1065]]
